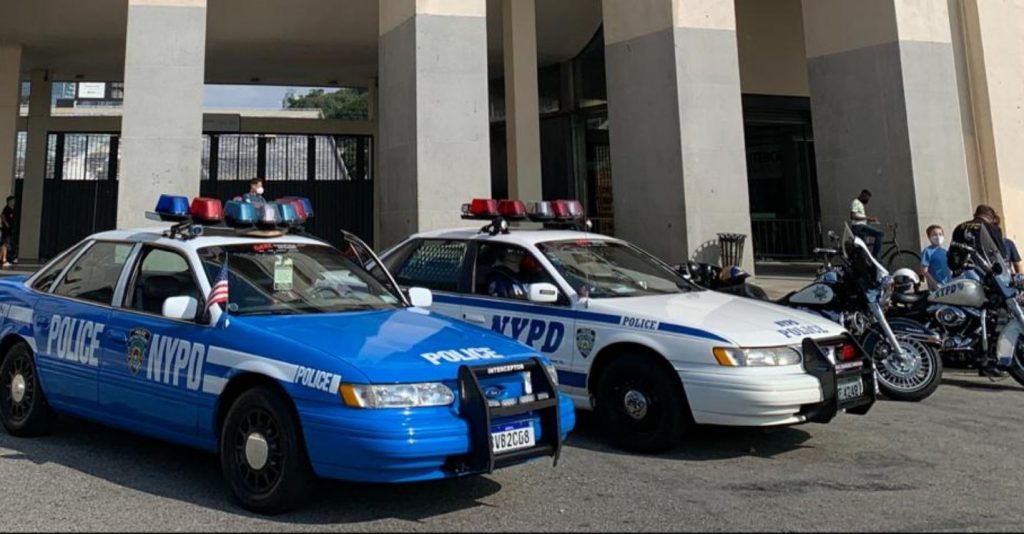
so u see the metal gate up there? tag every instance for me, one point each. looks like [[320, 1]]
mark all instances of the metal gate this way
[[333, 171], [79, 189]]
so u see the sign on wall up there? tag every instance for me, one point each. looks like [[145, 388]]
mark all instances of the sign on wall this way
[[92, 90]]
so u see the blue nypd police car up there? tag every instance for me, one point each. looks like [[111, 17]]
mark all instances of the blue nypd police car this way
[[314, 366]]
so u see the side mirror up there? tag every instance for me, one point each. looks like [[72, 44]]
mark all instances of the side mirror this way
[[181, 308], [543, 293], [420, 297]]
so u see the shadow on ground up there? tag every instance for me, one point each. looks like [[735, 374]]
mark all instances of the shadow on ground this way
[[703, 443], [192, 476]]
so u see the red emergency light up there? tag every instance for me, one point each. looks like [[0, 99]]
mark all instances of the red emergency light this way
[[481, 208], [207, 210], [512, 209], [848, 352]]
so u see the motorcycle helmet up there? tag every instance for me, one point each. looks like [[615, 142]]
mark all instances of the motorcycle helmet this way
[[529, 265], [905, 280]]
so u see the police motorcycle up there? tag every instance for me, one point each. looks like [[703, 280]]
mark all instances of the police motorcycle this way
[[978, 313], [854, 290]]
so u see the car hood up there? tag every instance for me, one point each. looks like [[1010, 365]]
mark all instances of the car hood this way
[[395, 345], [712, 315]]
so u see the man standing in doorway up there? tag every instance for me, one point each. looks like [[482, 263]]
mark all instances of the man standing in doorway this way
[[860, 223], [7, 217]]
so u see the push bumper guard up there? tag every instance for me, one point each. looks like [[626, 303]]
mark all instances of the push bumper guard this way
[[475, 407], [817, 364]]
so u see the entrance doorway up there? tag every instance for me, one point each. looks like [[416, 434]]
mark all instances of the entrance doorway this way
[[785, 215]]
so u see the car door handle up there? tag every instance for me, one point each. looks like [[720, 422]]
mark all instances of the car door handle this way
[[474, 318]]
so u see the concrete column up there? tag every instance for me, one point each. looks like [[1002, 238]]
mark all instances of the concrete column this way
[[522, 110], [433, 146], [993, 34], [37, 127], [10, 93], [161, 132], [676, 127], [885, 109]]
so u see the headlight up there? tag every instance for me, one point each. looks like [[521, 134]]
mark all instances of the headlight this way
[[762, 357], [396, 395]]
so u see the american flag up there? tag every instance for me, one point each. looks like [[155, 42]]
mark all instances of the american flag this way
[[219, 291]]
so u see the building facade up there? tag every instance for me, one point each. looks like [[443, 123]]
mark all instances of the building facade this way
[[672, 120]]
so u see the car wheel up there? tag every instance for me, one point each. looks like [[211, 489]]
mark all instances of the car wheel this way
[[641, 407], [23, 407], [262, 454]]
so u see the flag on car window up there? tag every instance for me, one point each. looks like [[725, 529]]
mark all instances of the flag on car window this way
[[219, 291]]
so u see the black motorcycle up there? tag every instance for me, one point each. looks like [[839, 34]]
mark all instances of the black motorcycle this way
[[978, 313], [854, 290]]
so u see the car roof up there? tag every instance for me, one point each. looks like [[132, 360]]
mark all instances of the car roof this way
[[524, 236], [156, 235]]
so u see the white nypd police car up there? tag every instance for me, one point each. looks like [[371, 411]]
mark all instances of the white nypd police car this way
[[651, 352], [313, 367]]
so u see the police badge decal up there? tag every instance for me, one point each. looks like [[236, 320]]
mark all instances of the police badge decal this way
[[138, 342], [585, 338]]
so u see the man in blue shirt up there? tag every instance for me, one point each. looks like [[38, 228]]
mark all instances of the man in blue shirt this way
[[934, 264]]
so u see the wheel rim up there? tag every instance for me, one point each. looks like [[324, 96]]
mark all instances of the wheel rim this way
[[635, 404], [258, 454], [908, 375], [637, 407], [19, 388]]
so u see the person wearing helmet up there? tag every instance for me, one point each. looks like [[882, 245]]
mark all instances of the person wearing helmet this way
[[934, 263], [505, 282]]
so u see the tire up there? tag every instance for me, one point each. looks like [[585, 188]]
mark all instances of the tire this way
[[913, 382], [24, 410], [899, 259], [281, 476], [1016, 369], [641, 407]]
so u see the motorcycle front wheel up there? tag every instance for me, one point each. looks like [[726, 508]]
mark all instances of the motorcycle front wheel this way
[[912, 379]]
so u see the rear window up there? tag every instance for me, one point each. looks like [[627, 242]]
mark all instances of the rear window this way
[[434, 264]]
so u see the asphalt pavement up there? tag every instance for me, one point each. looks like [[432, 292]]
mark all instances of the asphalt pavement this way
[[951, 462]]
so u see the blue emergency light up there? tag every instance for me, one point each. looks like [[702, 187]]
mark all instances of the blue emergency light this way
[[240, 214], [307, 206], [172, 207], [287, 213]]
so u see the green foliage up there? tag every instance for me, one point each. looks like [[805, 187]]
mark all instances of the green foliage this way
[[345, 103]]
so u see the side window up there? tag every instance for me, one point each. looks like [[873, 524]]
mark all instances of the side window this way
[[46, 278], [506, 271], [433, 265], [94, 276], [160, 274]]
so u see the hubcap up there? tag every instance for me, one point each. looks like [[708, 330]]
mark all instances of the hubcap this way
[[256, 450], [636, 404], [909, 373], [18, 388]]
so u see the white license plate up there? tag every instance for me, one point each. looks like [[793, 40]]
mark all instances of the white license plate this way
[[512, 436], [850, 388]]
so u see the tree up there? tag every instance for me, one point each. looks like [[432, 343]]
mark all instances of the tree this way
[[346, 103]]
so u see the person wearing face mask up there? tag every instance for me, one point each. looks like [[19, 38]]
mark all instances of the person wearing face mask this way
[[860, 223], [934, 264], [255, 194]]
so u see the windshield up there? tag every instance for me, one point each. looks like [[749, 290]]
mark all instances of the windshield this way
[[858, 257], [289, 278], [606, 269]]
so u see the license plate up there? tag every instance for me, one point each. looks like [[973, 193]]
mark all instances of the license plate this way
[[850, 388], [512, 436]]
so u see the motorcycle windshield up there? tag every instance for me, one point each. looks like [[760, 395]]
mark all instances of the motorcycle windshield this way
[[860, 260], [988, 248]]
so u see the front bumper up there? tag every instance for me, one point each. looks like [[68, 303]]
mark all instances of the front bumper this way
[[396, 445], [773, 397]]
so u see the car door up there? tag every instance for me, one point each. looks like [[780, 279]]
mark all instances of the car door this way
[[436, 264], [152, 367], [496, 298], [71, 322]]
